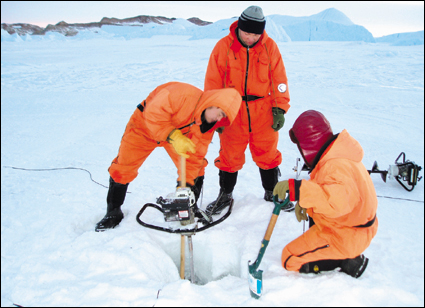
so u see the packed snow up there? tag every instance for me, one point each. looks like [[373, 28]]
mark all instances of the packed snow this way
[[65, 103]]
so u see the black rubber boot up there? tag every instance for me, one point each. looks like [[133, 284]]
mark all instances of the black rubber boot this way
[[268, 195], [269, 179], [196, 188], [216, 207], [114, 200], [317, 267], [354, 267], [199, 183], [224, 199]]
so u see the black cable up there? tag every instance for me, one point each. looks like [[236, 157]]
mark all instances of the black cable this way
[[129, 192], [51, 169], [400, 199]]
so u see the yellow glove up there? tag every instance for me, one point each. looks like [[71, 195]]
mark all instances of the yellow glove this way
[[181, 143], [280, 189], [300, 212]]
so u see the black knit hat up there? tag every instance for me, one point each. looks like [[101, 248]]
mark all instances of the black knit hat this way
[[252, 20]]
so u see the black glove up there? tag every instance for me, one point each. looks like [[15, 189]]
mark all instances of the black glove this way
[[278, 118]]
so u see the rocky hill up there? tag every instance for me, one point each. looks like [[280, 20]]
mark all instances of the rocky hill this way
[[72, 29], [328, 25]]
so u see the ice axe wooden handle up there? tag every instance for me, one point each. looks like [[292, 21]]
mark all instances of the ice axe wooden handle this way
[[183, 171], [182, 248], [270, 227], [255, 276], [276, 211]]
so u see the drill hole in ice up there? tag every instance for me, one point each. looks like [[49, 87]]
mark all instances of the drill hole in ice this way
[[214, 255]]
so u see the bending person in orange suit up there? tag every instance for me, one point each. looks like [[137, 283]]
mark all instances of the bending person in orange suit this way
[[178, 117], [339, 198]]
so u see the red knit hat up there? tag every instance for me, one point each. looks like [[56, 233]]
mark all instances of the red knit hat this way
[[310, 132]]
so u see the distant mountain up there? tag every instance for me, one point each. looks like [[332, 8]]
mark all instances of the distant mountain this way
[[72, 29], [329, 25], [403, 39]]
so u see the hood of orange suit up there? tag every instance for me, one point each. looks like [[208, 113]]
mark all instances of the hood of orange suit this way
[[228, 99]]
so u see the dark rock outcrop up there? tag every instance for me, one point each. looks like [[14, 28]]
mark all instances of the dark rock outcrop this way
[[72, 29], [199, 22]]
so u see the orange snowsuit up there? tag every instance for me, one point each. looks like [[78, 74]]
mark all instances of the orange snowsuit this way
[[259, 75], [340, 197], [170, 106]]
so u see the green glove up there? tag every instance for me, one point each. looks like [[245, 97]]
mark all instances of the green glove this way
[[278, 118], [300, 212], [220, 129], [280, 189]]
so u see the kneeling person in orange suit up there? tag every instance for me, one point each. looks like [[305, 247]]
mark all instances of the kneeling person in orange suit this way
[[339, 198], [178, 117]]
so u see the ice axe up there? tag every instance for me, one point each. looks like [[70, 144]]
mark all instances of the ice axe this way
[[255, 277]]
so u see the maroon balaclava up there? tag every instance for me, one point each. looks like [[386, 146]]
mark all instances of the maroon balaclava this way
[[310, 132]]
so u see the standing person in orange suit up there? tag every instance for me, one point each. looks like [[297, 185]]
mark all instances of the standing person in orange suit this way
[[339, 198], [178, 117], [248, 60]]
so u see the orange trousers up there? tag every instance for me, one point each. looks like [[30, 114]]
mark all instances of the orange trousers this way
[[327, 244], [263, 141]]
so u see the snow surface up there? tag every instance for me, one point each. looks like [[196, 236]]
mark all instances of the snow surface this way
[[65, 103]]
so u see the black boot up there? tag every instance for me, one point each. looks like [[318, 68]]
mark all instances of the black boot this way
[[269, 179], [196, 188], [317, 267], [216, 207], [224, 199], [114, 200], [354, 267], [268, 195]]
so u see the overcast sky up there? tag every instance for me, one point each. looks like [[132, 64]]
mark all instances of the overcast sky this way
[[379, 17]]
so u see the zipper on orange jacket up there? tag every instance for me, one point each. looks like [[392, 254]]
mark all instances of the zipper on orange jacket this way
[[246, 84]]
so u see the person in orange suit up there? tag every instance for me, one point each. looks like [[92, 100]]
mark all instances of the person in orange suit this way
[[248, 60], [339, 198], [178, 117]]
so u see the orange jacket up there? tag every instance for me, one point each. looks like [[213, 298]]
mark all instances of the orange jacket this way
[[340, 195], [176, 105], [229, 62], [180, 105]]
